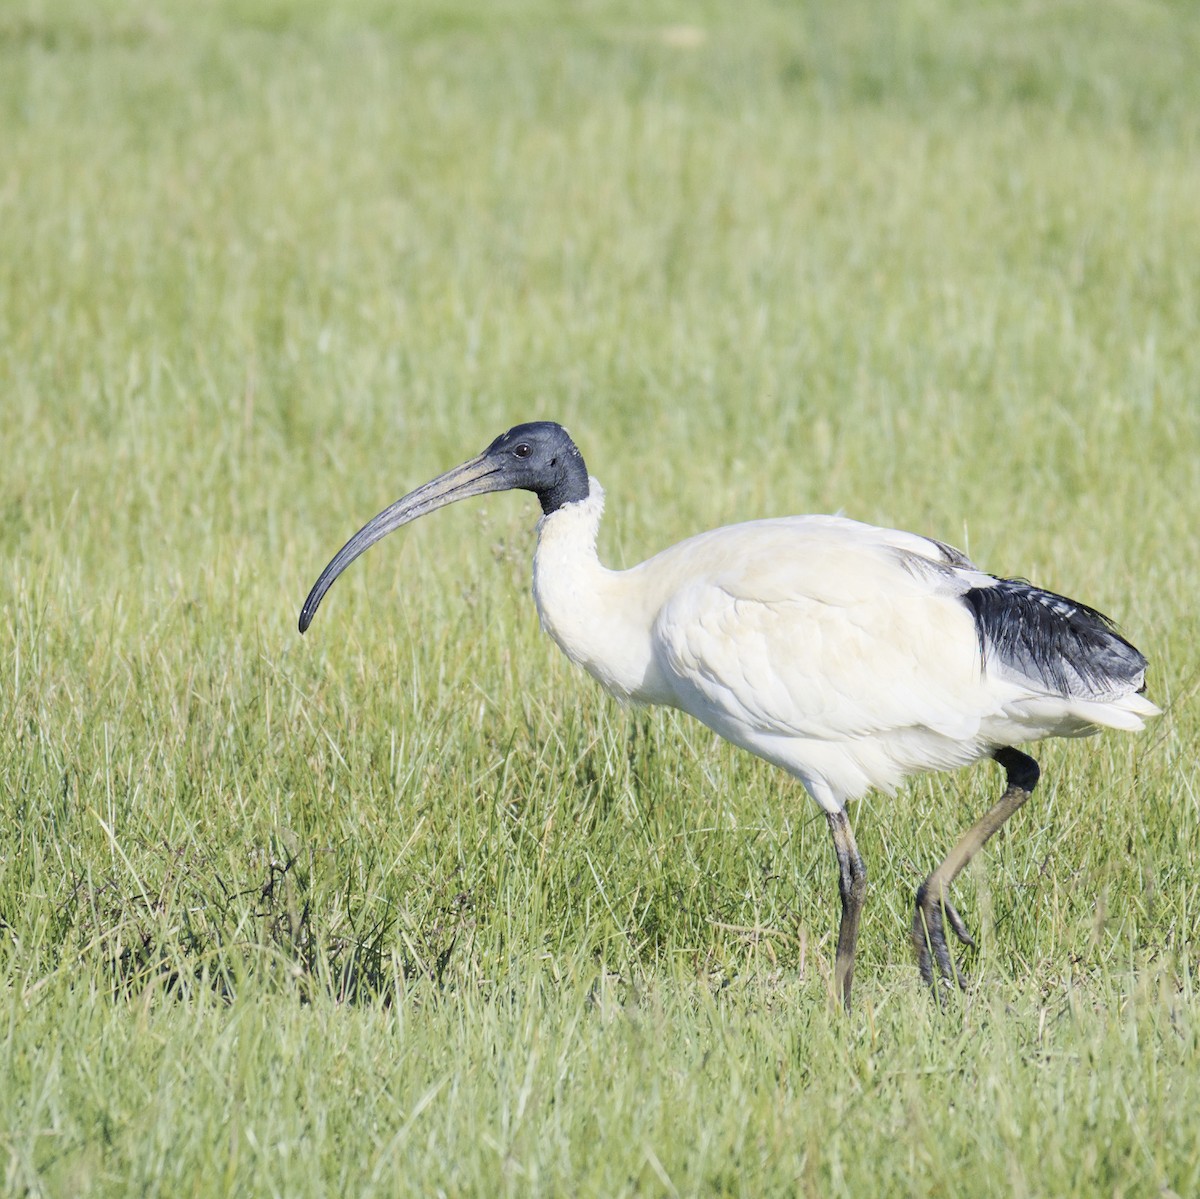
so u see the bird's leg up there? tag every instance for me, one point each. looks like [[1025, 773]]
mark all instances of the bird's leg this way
[[852, 883], [929, 935]]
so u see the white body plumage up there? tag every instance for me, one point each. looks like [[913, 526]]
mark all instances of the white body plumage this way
[[839, 651]]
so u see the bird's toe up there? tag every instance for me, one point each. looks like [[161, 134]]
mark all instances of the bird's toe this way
[[958, 925], [929, 940]]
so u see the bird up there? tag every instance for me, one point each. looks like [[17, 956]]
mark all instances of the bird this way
[[848, 655]]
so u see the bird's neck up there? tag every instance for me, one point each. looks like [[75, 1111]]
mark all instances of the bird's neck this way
[[598, 617]]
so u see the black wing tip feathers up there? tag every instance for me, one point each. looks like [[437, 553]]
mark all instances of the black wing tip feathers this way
[[1055, 641]]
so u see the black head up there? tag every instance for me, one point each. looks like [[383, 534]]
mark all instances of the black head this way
[[541, 457]]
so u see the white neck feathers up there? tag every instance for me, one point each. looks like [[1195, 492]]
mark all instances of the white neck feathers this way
[[599, 617]]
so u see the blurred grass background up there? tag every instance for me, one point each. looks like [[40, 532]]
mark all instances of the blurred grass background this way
[[408, 906]]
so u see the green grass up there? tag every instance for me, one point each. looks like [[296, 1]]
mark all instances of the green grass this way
[[408, 906]]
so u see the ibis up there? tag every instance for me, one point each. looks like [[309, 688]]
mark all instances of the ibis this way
[[849, 655]]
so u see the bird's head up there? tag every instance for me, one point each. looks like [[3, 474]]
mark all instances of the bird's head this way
[[538, 457]]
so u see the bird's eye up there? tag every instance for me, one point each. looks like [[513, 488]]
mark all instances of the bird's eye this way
[[522, 450]]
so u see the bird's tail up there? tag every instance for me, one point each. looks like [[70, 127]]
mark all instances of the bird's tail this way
[[1129, 712]]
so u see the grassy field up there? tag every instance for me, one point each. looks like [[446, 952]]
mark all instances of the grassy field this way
[[409, 907]]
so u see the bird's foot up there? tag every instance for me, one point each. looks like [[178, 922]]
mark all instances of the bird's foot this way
[[929, 938]]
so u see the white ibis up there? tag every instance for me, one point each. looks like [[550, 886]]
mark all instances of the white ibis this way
[[851, 656]]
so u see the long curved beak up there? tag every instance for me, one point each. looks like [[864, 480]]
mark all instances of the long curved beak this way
[[472, 478]]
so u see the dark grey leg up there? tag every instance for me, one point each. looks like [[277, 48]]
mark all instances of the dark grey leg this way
[[929, 935], [852, 883]]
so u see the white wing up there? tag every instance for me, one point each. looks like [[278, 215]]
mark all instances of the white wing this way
[[809, 637]]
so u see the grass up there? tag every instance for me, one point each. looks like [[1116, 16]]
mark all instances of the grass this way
[[407, 906]]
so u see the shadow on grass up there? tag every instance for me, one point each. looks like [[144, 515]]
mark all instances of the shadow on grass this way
[[200, 930]]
